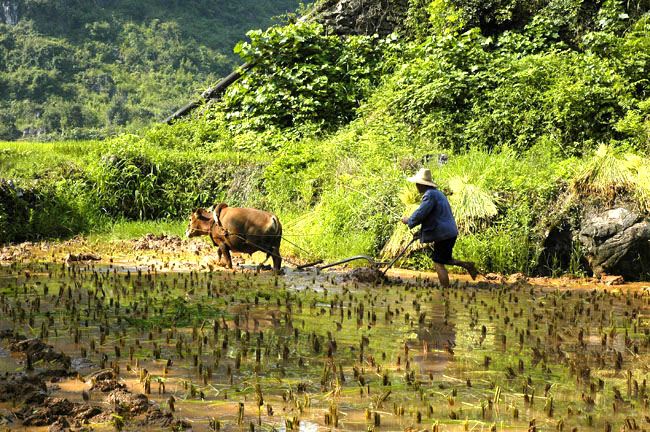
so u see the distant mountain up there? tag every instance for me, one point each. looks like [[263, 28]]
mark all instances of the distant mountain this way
[[83, 69]]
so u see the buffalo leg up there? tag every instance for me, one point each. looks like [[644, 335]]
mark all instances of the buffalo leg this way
[[226, 253], [277, 260]]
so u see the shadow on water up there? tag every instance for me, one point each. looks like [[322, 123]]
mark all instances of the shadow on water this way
[[307, 351]]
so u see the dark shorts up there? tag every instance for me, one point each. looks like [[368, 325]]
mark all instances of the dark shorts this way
[[442, 250]]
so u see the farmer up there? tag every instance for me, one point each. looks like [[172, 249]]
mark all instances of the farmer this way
[[438, 226]]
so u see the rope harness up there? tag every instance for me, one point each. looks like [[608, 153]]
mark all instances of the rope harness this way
[[241, 236]]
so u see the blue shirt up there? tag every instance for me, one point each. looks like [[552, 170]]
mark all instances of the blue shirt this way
[[435, 215]]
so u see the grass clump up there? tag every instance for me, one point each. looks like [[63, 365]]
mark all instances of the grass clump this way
[[473, 204], [611, 173]]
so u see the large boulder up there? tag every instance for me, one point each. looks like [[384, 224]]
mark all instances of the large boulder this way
[[616, 241], [354, 17], [9, 12]]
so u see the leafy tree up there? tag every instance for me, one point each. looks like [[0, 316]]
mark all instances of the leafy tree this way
[[160, 53], [8, 130], [302, 75]]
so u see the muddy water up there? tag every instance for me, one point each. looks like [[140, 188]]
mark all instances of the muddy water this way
[[309, 352]]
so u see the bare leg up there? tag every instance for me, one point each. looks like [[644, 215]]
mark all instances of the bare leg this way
[[467, 265], [443, 275]]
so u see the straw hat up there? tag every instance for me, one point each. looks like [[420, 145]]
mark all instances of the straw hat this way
[[423, 177]]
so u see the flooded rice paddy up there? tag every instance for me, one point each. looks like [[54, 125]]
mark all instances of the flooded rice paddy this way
[[310, 352]]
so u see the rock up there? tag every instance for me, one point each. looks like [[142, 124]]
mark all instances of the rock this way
[[558, 246], [610, 280], [360, 17], [9, 12], [616, 241], [33, 132]]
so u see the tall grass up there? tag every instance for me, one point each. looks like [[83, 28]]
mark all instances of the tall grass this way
[[125, 229]]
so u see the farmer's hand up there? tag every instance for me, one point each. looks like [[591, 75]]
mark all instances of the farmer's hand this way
[[405, 220]]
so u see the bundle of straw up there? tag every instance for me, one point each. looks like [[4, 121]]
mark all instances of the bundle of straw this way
[[472, 204], [606, 174], [401, 237]]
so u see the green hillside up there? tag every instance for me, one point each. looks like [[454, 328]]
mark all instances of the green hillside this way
[[540, 108], [71, 68]]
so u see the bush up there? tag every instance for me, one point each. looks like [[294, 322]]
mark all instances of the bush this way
[[301, 75], [40, 210]]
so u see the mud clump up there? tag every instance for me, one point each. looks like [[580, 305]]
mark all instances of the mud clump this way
[[143, 412], [60, 425], [165, 243], [611, 280], [105, 381], [155, 417], [23, 388], [365, 275], [517, 277], [158, 241], [16, 252], [38, 350], [58, 412], [48, 413], [82, 257], [495, 277], [127, 402]]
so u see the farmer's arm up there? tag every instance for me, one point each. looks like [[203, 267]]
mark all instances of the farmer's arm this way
[[422, 212]]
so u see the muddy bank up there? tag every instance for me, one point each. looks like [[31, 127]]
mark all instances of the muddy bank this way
[[172, 253], [29, 389]]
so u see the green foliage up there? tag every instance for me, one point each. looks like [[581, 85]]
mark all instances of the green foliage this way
[[8, 130], [83, 186], [547, 81], [301, 75], [493, 16], [41, 210], [77, 69], [610, 173]]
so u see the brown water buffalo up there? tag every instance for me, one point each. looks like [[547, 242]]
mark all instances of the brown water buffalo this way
[[237, 229]]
